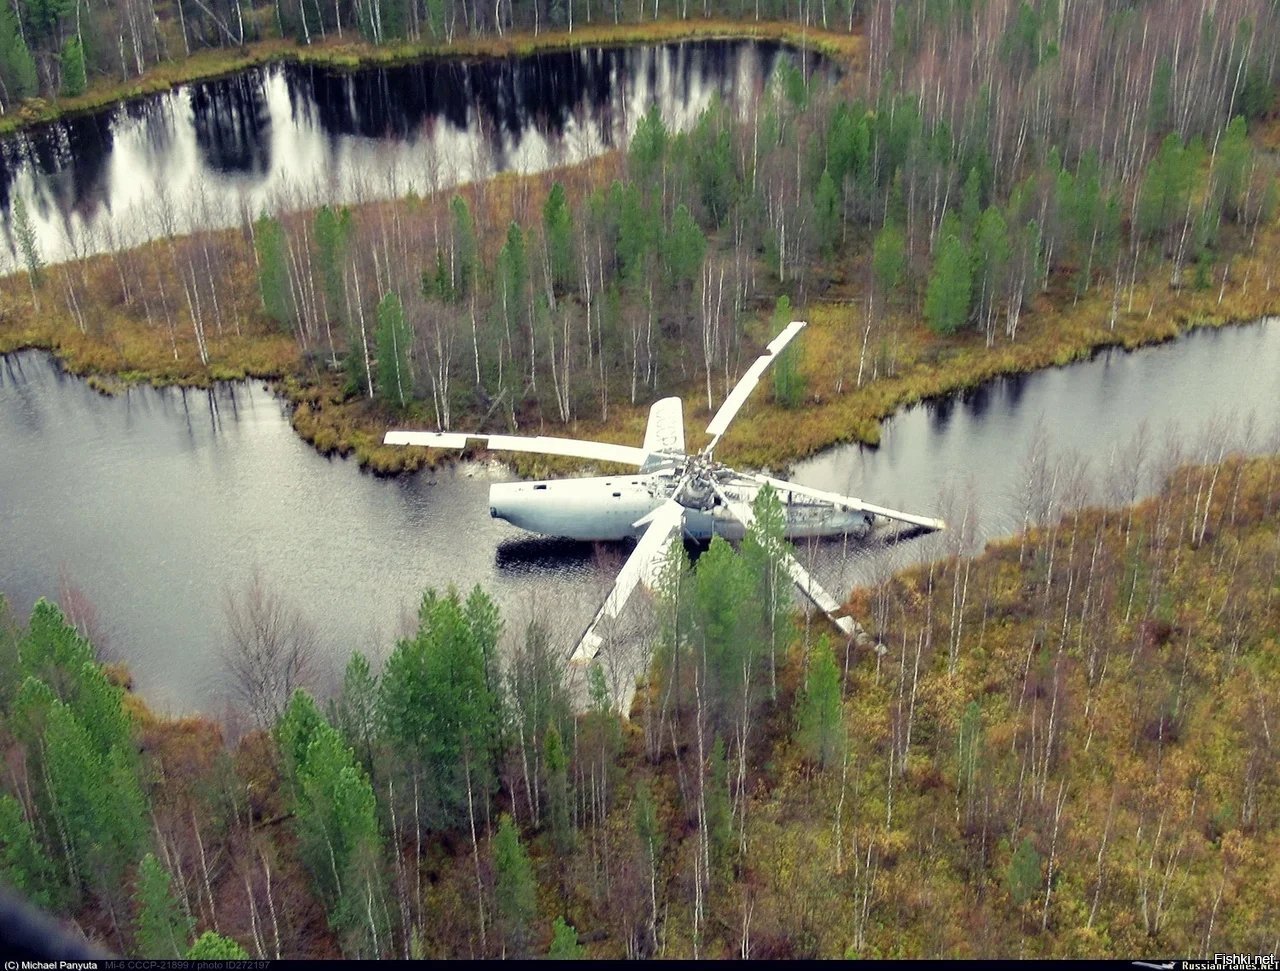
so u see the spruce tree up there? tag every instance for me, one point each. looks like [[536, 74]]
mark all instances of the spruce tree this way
[[889, 259], [211, 946], [465, 248], [557, 764], [516, 889], [273, 269], [17, 67], [946, 303], [332, 235], [163, 927], [25, 235], [557, 224], [648, 147], [24, 864], [564, 942], [1023, 876], [395, 384], [820, 712], [826, 213], [356, 710], [73, 72], [685, 247]]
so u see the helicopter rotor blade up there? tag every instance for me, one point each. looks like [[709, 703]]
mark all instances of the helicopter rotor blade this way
[[801, 577], [741, 511], [540, 444], [815, 592], [642, 566], [747, 383], [849, 502]]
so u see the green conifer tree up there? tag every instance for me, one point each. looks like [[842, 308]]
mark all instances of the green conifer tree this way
[[557, 224], [516, 890], [273, 269], [820, 709], [556, 761], [889, 259], [564, 942], [1023, 876], [826, 214], [788, 383], [163, 927], [950, 289], [72, 65], [395, 383], [211, 946], [25, 235], [24, 864]]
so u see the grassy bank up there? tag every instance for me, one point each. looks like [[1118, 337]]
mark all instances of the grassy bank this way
[[346, 54], [1062, 728]]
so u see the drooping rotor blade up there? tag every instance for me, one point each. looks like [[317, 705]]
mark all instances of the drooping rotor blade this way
[[803, 580], [641, 567], [821, 599], [541, 444], [748, 383], [849, 502]]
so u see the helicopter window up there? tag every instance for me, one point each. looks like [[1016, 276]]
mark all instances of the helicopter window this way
[[540, 485]]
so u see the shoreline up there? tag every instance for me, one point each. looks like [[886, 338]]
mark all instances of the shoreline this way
[[287, 389], [341, 54], [765, 434], [1056, 328]]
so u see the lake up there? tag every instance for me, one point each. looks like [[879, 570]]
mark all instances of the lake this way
[[158, 503]]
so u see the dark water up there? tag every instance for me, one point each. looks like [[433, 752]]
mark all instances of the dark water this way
[[156, 503], [967, 457], [288, 136]]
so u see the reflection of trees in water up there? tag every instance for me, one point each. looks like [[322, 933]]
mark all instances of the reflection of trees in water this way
[[232, 123], [544, 91], [470, 118], [67, 160]]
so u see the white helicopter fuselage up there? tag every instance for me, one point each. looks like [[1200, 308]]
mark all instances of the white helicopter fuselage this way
[[608, 507]]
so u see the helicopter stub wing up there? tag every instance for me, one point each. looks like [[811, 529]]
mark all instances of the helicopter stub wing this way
[[539, 444], [801, 577], [747, 383], [641, 567], [849, 502]]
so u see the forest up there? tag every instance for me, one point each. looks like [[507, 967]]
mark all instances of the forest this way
[[1026, 211], [1061, 747]]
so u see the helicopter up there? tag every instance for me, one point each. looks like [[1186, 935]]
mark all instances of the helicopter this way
[[672, 493]]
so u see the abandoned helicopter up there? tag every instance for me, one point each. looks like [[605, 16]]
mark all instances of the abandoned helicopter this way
[[671, 493]]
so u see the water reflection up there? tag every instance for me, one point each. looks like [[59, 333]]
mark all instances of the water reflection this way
[[160, 502], [233, 124], [260, 137]]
